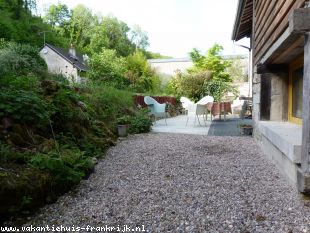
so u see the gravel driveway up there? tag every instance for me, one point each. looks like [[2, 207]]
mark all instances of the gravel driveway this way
[[183, 183]]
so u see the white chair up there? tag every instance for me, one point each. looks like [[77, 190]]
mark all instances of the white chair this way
[[204, 101], [196, 110], [185, 103], [157, 109]]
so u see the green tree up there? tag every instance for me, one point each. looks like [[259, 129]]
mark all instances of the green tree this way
[[58, 15], [139, 37], [208, 76], [212, 62], [18, 24], [81, 23], [190, 85], [140, 74], [110, 33], [109, 68]]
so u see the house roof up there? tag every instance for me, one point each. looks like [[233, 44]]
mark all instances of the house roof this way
[[243, 21], [76, 61]]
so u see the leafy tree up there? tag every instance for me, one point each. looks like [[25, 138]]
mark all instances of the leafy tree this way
[[81, 23], [110, 33], [140, 74], [208, 76], [109, 68], [212, 62], [18, 24], [139, 37], [218, 89], [57, 15], [190, 85]]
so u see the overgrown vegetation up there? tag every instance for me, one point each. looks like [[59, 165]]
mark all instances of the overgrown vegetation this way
[[52, 130]]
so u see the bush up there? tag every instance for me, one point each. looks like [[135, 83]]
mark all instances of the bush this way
[[108, 68], [142, 77], [189, 85], [106, 103], [140, 122], [26, 107], [20, 59], [67, 165]]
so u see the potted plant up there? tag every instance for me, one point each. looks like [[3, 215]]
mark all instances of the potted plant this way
[[245, 129], [122, 125]]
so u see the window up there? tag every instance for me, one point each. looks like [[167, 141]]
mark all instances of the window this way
[[295, 91]]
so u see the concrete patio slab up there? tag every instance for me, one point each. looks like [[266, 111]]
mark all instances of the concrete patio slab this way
[[215, 127]]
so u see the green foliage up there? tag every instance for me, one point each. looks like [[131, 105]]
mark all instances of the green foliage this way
[[24, 106], [68, 166], [80, 24], [107, 67], [140, 74], [106, 103], [218, 89], [110, 33], [20, 59], [57, 15], [123, 120], [18, 24], [208, 76], [190, 85], [212, 62], [151, 55], [139, 37], [140, 122]]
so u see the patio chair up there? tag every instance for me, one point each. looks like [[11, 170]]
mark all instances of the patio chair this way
[[207, 101], [196, 110], [157, 109], [185, 103]]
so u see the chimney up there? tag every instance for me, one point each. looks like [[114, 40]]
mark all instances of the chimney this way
[[72, 52]]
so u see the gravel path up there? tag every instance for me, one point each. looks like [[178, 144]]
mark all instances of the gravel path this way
[[183, 183]]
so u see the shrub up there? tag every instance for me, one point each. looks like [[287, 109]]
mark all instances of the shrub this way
[[27, 107], [20, 59], [189, 85], [108, 68], [142, 77], [106, 103], [67, 165], [140, 122]]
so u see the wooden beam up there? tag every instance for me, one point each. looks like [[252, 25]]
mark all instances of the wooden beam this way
[[305, 155], [272, 68], [299, 23], [303, 175]]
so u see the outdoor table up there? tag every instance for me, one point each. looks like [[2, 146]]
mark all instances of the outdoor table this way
[[219, 108]]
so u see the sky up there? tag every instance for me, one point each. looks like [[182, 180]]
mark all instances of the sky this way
[[174, 27]]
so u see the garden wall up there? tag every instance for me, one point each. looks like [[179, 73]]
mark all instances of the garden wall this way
[[139, 100]]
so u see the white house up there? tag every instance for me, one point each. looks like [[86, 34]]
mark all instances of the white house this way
[[66, 62]]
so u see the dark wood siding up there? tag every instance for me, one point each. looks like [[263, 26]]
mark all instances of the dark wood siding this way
[[271, 20]]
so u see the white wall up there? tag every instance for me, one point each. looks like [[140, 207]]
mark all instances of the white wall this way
[[167, 69], [58, 65]]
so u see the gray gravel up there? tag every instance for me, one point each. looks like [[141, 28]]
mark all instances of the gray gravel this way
[[183, 183]]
